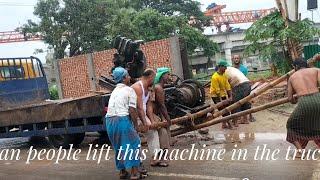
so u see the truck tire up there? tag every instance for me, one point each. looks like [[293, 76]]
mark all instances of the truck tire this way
[[66, 139]]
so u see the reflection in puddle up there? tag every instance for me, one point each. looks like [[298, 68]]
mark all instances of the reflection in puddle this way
[[233, 137]]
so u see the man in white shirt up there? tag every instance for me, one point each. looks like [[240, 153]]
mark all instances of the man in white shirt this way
[[241, 88], [121, 121]]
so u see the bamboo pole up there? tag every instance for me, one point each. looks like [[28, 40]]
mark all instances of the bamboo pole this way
[[190, 116], [201, 113], [232, 116], [227, 109], [235, 105], [313, 60]]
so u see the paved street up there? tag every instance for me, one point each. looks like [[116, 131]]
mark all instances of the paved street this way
[[269, 129], [225, 169]]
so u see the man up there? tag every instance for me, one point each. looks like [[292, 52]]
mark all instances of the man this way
[[236, 60], [159, 107], [241, 88], [303, 125], [145, 112], [121, 121], [220, 88]]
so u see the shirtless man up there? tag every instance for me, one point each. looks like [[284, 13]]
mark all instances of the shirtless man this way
[[160, 109], [145, 111], [303, 125]]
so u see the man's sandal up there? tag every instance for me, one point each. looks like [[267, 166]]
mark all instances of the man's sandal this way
[[142, 170], [124, 174], [137, 176]]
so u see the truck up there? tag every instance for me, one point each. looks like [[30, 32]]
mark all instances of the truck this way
[[26, 111]]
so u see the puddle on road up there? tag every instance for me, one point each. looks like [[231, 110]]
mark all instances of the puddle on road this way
[[24, 143], [7, 143], [234, 139], [230, 137]]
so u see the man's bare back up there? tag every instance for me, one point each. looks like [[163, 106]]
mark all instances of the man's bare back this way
[[305, 81]]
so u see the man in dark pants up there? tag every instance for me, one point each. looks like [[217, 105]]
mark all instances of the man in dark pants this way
[[303, 124], [220, 88], [241, 88]]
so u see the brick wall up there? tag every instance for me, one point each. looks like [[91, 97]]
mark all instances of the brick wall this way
[[73, 72], [74, 76]]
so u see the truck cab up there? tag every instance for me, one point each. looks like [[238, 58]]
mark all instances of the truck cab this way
[[22, 81]]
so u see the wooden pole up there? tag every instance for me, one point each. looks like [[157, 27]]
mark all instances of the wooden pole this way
[[190, 116], [313, 60], [232, 107], [227, 109], [201, 113], [232, 116]]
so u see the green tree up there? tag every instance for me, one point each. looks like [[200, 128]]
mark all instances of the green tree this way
[[269, 36], [79, 25], [89, 25], [150, 25], [185, 8], [53, 91], [195, 39], [121, 23]]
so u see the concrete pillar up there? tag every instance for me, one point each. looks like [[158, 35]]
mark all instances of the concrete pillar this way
[[217, 56], [176, 61], [91, 72], [228, 55], [58, 79]]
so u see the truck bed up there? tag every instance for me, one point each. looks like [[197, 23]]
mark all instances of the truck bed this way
[[51, 111]]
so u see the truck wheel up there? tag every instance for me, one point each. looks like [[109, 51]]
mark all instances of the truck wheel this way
[[66, 139]]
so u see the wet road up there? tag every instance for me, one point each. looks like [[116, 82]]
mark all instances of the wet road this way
[[196, 169]]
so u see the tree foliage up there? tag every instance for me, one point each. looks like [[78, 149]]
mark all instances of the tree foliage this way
[[84, 26], [80, 26], [269, 36], [194, 38]]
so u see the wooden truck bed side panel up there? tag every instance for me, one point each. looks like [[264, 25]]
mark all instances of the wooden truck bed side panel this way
[[91, 106]]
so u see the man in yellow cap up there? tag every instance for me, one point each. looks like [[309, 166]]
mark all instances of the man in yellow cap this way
[[220, 88]]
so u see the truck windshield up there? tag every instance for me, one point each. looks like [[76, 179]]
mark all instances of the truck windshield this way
[[12, 72], [20, 68]]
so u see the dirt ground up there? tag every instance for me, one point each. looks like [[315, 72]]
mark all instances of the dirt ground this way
[[270, 121]]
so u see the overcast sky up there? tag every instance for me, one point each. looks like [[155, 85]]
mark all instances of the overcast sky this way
[[14, 13]]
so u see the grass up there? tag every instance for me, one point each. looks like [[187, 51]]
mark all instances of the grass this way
[[253, 76]]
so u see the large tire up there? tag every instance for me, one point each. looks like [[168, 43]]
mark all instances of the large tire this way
[[66, 139]]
